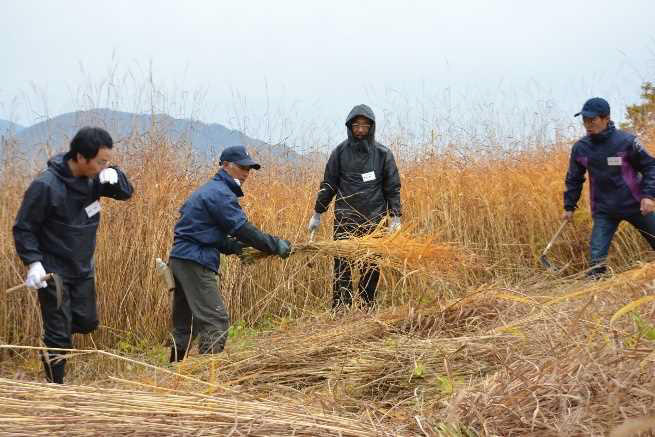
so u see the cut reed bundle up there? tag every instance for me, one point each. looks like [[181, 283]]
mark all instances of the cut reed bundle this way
[[47, 409], [399, 251]]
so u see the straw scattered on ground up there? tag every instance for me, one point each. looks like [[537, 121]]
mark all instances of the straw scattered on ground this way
[[47, 409]]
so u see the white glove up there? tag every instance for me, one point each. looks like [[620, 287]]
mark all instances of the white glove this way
[[35, 276], [108, 176], [314, 222], [394, 225]]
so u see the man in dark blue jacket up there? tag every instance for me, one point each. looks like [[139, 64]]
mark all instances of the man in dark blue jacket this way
[[212, 222], [362, 174], [55, 232], [621, 178]]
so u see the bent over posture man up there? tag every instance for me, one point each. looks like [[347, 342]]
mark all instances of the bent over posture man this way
[[55, 232], [212, 222], [363, 176], [621, 178]]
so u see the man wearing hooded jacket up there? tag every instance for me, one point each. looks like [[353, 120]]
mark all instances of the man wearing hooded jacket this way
[[362, 174], [621, 178], [55, 232], [212, 222]]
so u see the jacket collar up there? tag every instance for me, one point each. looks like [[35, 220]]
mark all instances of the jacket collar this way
[[228, 180], [603, 136]]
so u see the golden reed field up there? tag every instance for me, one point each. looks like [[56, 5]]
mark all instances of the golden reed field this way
[[489, 343]]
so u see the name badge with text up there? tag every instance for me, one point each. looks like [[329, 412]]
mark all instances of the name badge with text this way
[[92, 209], [614, 160], [367, 177]]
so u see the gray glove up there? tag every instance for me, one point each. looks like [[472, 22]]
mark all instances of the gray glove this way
[[314, 222], [394, 225], [283, 248]]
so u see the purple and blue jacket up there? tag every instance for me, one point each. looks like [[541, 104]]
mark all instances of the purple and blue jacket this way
[[621, 173]]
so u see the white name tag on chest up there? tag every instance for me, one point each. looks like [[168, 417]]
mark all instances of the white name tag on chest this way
[[614, 160], [92, 209], [368, 177]]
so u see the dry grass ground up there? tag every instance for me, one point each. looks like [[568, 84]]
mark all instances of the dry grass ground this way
[[495, 347]]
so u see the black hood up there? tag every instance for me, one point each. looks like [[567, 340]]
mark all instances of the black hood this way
[[58, 165], [367, 112]]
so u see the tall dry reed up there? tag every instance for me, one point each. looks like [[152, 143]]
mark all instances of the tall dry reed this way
[[504, 208]]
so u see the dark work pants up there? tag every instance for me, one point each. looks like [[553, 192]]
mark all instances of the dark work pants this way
[[198, 309], [343, 287], [369, 273], [603, 231], [77, 315]]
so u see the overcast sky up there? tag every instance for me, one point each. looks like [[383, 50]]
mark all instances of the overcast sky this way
[[278, 68]]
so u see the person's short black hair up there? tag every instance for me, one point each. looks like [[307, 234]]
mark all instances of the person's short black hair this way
[[87, 141]]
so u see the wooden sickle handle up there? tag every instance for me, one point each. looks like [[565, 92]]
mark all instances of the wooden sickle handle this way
[[23, 285]]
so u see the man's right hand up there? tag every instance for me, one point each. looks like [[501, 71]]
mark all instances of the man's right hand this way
[[239, 246], [283, 248], [314, 222], [108, 176], [567, 216], [35, 276]]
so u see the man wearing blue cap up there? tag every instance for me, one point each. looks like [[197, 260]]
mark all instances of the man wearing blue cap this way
[[212, 222], [621, 177]]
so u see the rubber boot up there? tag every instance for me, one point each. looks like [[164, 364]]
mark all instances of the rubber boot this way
[[177, 354], [596, 273], [54, 367]]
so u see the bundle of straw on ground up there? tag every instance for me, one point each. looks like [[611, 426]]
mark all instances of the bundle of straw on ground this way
[[33, 409], [380, 356]]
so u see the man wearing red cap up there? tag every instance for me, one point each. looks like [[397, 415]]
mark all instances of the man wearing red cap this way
[[621, 178]]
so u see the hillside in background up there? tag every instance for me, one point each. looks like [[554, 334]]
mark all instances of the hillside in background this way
[[8, 128], [205, 140]]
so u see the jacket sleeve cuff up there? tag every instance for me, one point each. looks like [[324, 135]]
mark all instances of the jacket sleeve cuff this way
[[32, 258]]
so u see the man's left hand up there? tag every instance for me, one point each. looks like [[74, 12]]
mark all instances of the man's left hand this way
[[647, 205], [283, 248]]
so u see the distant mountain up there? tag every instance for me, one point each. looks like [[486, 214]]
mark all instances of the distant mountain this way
[[8, 128], [206, 140]]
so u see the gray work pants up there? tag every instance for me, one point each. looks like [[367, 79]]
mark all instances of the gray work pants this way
[[198, 308]]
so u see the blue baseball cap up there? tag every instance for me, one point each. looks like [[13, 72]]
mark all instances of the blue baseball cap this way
[[238, 155], [595, 107]]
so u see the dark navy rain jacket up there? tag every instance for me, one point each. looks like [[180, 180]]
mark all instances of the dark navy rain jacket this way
[[363, 177], [621, 173], [207, 218], [52, 225]]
